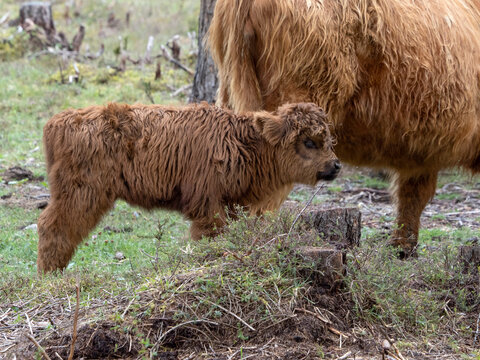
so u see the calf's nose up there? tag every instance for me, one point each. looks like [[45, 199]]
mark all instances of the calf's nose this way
[[337, 165]]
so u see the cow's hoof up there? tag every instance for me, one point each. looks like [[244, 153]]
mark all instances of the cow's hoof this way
[[406, 249]]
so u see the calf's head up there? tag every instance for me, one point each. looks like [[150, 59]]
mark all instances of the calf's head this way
[[301, 141]]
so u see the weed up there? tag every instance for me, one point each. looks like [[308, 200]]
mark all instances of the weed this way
[[408, 296]]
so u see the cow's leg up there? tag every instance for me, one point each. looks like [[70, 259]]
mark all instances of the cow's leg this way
[[412, 194], [65, 222], [206, 227], [209, 226]]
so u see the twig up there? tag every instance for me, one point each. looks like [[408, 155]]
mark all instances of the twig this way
[[183, 324], [181, 89], [62, 79], [343, 357], [147, 88], [399, 354], [330, 328], [476, 332], [4, 18], [147, 58], [306, 205], [6, 349], [75, 320], [42, 350], [148, 255], [29, 324], [128, 307], [472, 212], [231, 313], [272, 240], [278, 322]]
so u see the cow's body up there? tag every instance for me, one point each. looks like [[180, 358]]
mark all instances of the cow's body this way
[[399, 79]]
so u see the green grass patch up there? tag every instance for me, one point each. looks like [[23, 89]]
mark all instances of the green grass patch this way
[[411, 296], [125, 229]]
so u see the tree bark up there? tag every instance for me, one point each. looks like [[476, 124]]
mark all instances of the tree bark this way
[[205, 82]]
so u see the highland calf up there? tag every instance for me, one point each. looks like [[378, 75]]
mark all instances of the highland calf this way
[[200, 160], [399, 80]]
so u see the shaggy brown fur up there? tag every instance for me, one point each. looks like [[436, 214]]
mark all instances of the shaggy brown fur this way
[[399, 79], [198, 160]]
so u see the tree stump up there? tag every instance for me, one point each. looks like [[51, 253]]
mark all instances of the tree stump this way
[[469, 257], [325, 267], [341, 227], [41, 15]]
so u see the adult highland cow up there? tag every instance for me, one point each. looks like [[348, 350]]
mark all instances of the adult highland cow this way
[[399, 79], [198, 160]]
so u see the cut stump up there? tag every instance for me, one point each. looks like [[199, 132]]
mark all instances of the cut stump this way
[[469, 257], [340, 228], [324, 266], [41, 15]]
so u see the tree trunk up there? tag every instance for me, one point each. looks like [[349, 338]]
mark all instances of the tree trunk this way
[[205, 82]]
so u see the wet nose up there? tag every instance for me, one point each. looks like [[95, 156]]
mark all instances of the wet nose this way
[[337, 165]]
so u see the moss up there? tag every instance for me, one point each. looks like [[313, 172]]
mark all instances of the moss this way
[[13, 45], [62, 76]]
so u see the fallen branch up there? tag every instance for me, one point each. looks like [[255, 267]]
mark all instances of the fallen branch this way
[[167, 56], [231, 313], [42, 350]]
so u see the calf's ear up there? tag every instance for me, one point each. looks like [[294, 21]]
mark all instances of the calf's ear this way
[[271, 127]]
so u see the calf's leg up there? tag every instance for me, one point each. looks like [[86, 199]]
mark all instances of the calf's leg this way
[[65, 222], [412, 193]]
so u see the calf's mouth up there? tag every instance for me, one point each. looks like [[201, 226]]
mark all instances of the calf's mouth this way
[[331, 172]]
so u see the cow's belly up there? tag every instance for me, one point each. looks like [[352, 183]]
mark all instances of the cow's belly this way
[[377, 144]]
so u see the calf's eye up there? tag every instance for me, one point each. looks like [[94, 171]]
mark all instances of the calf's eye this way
[[309, 144]]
